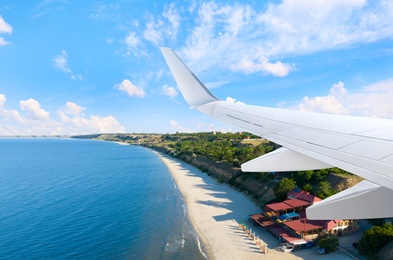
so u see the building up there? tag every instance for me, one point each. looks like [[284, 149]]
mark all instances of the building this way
[[288, 222]]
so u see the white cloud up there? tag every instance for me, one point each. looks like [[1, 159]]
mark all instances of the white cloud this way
[[374, 100], [152, 32], [232, 100], [82, 125], [73, 109], [33, 109], [179, 128], [4, 28], [7, 115], [173, 17], [239, 37], [37, 121], [130, 89], [164, 25], [248, 66], [2, 100], [107, 124], [133, 43], [62, 64], [169, 91], [3, 41]]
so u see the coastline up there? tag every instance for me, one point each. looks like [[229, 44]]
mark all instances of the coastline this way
[[216, 210]]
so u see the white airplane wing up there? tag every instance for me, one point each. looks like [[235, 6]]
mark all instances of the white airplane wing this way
[[362, 146]]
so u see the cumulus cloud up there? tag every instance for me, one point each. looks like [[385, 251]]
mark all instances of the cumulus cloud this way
[[130, 89], [70, 120], [8, 115], [107, 124], [232, 100], [374, 100], [73, 109], [169, 91], [62, 64], [4, 28], [33, 109], [2, 100]]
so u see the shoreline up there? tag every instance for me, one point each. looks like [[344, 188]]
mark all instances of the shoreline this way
[[215, 210], [203, 242]]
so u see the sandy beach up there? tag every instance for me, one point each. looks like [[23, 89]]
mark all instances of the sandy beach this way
[[216, 210]]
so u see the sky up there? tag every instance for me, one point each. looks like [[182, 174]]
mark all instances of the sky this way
[[72, 67]]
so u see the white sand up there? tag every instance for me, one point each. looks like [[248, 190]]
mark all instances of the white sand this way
[[215, 210]]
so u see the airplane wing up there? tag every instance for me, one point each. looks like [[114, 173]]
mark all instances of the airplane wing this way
[[362, 146]]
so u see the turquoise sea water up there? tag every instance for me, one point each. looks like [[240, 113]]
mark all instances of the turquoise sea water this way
[[83, 199]]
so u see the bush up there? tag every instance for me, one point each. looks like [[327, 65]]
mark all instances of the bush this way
[[330, 244]]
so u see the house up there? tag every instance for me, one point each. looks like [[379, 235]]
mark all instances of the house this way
[[288, 222]]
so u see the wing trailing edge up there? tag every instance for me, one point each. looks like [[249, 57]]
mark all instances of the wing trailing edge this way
[[283, 160], [365, 200]]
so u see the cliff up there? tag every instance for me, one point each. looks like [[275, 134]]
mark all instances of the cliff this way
[[261, 192]]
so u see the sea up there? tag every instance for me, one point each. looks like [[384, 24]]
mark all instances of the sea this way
[[84, 199]]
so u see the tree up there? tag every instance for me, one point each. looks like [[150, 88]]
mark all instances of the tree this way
[[376, 221], [307, 187], [325, 190], [283, 187], [375, 238], [320, 175], [330, 244], [303, 177]]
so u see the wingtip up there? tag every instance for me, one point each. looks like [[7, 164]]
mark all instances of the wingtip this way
[[193, 90], [164, 49]]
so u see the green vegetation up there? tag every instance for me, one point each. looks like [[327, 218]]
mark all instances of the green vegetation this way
[[377, 221], [220, 146], [329, 243], [307, 187], [325, 190], [375, 238], [284, 186]]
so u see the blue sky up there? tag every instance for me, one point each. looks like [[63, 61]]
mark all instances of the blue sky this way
[[79, 67]]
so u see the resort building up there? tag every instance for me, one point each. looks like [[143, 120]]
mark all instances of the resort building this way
[[287, 220]]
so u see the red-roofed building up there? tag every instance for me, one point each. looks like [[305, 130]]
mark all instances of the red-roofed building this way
[[278, 219], [309, 198], [297, 203], [310, 229], [297, 193], [280, 207]]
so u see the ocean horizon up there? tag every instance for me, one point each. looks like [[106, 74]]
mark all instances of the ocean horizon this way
[[77, 199]]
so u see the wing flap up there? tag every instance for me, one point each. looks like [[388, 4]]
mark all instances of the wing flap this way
[[283, 160], [360, 201]]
